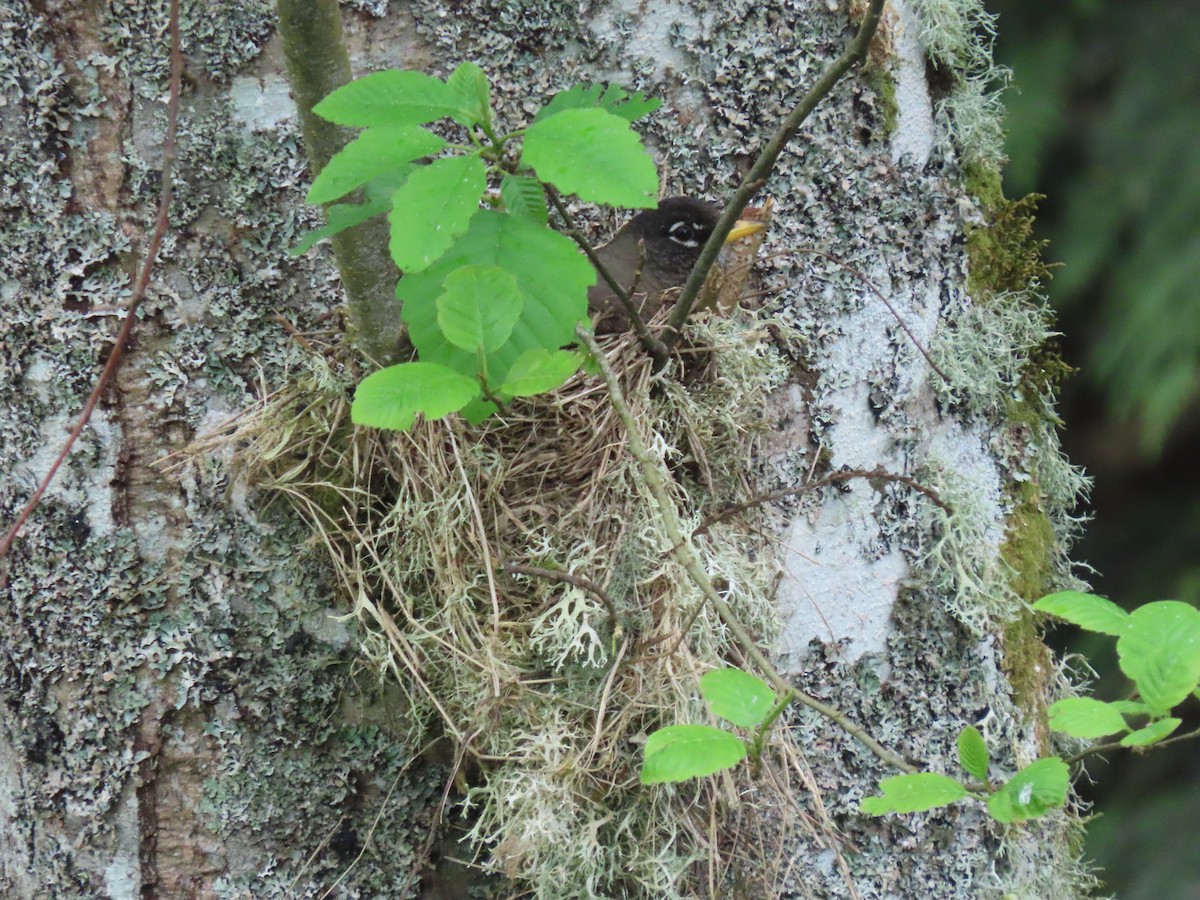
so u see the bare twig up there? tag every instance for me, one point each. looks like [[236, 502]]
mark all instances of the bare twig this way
[[658, 351], [757, 176], [161, 222], [833, 478], [1117, 745], [579, 581]]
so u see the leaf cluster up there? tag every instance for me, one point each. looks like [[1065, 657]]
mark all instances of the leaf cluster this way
[[1158, 647], [680, 752], [490, 294]]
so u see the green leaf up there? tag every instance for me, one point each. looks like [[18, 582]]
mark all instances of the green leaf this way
[[395, 97], [524, 196], [469, 85], [432, 208], [1085, 610], [1130, 707], [539, 370], [1160, 651], [614, 99], [593, 154], [478, 307], [373, 153], [680, 752], [478, 410], [913, 793], [392, 397], [737, 696], [341, 216], [973, 753], [1151, 734], [1036, 789], [1083, 717], [552, 274]]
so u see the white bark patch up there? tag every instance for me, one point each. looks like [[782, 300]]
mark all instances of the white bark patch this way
[[832, 588], [915, 132], [653, 29], [840, 578], [123, 874], [262, 104]]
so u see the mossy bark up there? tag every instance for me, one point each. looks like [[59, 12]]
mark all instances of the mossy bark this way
[[318, 64]]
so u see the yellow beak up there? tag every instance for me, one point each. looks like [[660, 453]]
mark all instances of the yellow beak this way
[[744, 228]]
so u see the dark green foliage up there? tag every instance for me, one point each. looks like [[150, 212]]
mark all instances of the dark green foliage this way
[[1104, 120]]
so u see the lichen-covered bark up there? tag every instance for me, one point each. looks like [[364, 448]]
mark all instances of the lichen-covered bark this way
[[182, 714]]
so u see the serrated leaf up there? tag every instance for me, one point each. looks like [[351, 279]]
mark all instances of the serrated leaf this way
[[737, 696], [1151, 734], [470, 87], [539, 370], [1159, 650], [680, 752], [613, 98], [433, 208], [341, 216], [478, 307], [524, 196], [913, 793], [395, 97], [373, 153], [593, 154], [973, 753], [1085, 610], [478, 410], [1033, 791], [552, 274], [392, 397], [1083, 717]]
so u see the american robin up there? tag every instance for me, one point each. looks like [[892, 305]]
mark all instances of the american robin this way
[[664, 243]]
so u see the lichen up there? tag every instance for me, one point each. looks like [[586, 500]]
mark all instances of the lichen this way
[[219, 41]]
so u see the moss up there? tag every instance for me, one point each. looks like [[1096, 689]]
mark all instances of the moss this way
[[1005, 256], [1028, 550], [884, 85]]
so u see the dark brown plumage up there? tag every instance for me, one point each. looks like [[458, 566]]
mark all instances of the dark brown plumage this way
[[673, 236]]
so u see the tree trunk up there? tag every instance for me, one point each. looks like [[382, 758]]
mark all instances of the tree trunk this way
[[185, 715]]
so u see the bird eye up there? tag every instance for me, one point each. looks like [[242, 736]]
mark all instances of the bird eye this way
[[683, 233]]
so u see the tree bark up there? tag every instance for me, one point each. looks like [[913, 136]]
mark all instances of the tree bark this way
[[185, 716]]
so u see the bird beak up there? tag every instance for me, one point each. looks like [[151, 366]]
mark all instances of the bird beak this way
[[744, 228]]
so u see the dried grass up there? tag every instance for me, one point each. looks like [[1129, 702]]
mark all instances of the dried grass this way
[[531, 677]]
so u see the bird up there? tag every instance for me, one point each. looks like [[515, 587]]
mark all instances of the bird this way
[[652, 254]]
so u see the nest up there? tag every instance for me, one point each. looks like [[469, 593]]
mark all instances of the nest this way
[[514, 578]]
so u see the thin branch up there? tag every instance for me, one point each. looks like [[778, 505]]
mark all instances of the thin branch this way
[[567, 578], [682, 550], [161, 222], [1117, 745], [658, 351], [833, 478], [765, 165], [882, 299]]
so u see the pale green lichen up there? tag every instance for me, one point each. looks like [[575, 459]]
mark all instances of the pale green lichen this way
[[958, 35]]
